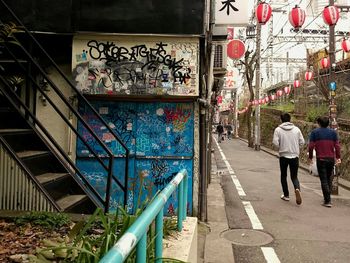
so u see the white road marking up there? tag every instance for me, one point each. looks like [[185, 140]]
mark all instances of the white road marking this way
[[256, 224], [238, 185], [270, 255]]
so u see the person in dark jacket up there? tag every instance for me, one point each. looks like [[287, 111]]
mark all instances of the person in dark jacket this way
[[220, 131], [326, 144]]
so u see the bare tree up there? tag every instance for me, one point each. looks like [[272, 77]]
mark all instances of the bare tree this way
[[249, 63]]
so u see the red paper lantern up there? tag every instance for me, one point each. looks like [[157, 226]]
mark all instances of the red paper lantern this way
[[330, 15], [263, 13], [296, 83], [309, 75], [325, 63], [279, 93], [235, 49], [345, 45], [297, 17], [273, 97], [267, 99], [286, 90]]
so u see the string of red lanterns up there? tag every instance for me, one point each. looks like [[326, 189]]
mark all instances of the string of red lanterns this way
[[286, 90], [297, 17]]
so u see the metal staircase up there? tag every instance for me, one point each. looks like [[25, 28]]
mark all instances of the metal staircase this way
[[35, 172]]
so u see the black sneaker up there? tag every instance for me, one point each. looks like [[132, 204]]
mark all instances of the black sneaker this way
[[327, 204]]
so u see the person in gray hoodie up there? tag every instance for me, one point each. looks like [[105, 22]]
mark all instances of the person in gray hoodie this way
[[287, 138]]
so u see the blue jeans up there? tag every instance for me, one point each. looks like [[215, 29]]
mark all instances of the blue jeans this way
[[293, 164], [325, 169]]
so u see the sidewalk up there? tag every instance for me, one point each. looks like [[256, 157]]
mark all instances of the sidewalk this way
[[217, 249]]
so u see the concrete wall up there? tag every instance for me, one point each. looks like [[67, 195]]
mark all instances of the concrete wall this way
[[49, 117]]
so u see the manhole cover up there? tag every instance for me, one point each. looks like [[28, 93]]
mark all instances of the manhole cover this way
[[247, 237]]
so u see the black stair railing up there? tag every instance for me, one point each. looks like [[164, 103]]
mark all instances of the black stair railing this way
[[17, 103], [109, 168]]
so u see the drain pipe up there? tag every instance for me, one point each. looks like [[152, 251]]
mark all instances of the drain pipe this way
[[205, 139]]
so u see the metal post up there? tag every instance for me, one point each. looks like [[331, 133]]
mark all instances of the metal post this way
[[185, 196], [332, 102], [236, 115], [159, 236], [257, 87], [141, 249], [180, 208]]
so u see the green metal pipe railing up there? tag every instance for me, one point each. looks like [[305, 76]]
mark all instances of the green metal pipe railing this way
[[136, 235]]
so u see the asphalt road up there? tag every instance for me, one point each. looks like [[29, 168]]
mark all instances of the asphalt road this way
[[268, 229]]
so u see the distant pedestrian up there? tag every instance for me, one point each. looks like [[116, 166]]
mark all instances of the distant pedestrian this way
[[326, 144], [220, 131], [287, 137], [229, 130]]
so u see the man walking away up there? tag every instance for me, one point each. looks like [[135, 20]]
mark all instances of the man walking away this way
[[220, 131], [287, 137], [229, 130], [326, 143]]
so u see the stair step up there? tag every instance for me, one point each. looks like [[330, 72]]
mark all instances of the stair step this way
[[51, 177], [25, 154], [11, 131], [70, 200]]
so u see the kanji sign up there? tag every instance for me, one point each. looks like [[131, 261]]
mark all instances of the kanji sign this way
[[231, 12]]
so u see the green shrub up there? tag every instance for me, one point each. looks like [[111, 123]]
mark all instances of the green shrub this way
[[315, 112], [45, 219]]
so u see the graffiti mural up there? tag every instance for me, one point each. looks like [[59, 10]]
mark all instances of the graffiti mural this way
[[160, 138], [149, 67]]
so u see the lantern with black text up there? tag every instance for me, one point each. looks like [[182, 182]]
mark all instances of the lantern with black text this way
[[297, 17], [263, 13], [330, 15], [309, 75], [345, 45], [296, 84], [325, 63]]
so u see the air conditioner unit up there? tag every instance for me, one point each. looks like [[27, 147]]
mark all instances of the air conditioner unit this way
[[220, 57]]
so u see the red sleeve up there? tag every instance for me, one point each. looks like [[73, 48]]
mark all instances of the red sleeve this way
[[337, 149], [311, 149]]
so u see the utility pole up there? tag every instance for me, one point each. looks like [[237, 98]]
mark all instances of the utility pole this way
[[257, 87], [332, 87], [332, 92], [332, 103]]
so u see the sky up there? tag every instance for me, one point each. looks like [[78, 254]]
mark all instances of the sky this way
[[294, 45]]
